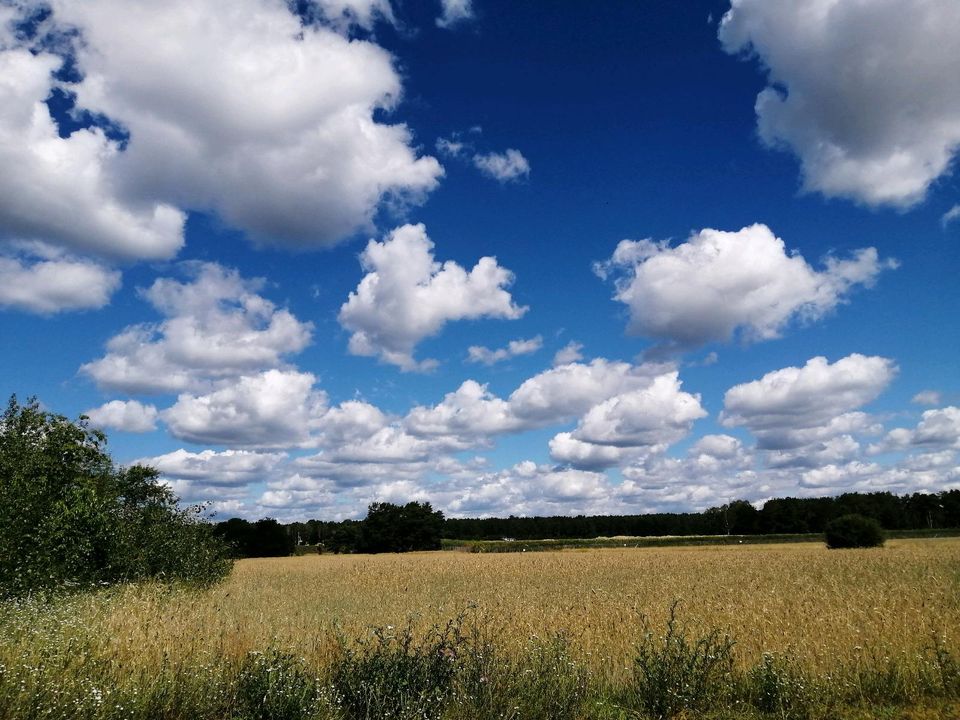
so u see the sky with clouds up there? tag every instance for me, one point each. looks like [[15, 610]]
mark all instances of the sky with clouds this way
[[510, 258]]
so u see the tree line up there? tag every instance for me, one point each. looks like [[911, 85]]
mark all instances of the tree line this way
[[416, 526]]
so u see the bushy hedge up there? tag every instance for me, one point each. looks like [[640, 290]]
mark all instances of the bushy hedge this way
[[69, 518], [853, 531]]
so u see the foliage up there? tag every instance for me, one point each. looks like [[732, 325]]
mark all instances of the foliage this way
[[853, 531], [776, 685], [397, 675], [400, 528], [676, 672], [263, 538], [777, 516], [274, 685], [70, 518]]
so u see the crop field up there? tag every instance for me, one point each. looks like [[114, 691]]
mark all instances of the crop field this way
[[785, 630]]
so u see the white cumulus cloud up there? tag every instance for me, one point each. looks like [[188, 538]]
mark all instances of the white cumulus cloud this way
[[795, 406], [938, 429], [272, 409], [718, 284], [215, 326], [126, 415], [52, 283], [61, 190], [659, 414], [866, 93], [407, 296], [249, 110]]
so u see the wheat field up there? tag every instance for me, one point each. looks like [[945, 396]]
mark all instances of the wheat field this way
[[816, 604], [830, 612]]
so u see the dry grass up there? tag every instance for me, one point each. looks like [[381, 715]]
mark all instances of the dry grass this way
[[821, 607]]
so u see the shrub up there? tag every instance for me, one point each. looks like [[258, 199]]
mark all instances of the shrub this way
[[275, 686], [70, 518], [397, 676], [776, 685], [853, 531], [543, 683], [676, 672]]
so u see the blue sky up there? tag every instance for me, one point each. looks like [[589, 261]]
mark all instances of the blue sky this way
[[509, 258]]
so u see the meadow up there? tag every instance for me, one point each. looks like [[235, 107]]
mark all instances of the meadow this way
[[784, 630]]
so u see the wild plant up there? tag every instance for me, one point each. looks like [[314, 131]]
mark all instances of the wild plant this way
[[275, 685], [776, 685], [397, 675], [678, 671]]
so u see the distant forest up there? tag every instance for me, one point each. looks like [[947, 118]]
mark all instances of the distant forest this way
[[416, 526]]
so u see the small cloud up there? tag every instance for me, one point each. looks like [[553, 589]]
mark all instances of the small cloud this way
[[709, 359], [452, 146], [504, 167], [570, 353], [950, 215], [454, 12], [480, 354], [927, 397]]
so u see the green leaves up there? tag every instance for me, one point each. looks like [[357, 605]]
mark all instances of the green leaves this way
[[70, 518]]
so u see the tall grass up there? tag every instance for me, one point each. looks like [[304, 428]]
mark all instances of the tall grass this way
[[788, 632]]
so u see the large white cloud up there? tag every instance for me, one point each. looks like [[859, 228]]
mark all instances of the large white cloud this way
[[59, 190], [272, 409], [718, 284], [794, 406], [223, 478], [52, 283], [630, 424], [247, 111], [553, 396], [259, 114], [407, 296], [568, 391], [470, 411], [568, 450], [127, 415], [659, 414], [866, 93], [216, 326], [229, 467], [936, 430], [624, 410]]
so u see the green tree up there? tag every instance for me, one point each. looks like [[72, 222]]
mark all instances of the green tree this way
[[70, 517], [399, 528], [853, 531]]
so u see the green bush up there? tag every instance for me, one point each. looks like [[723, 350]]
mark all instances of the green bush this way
[[275, 686], [677, 672], [542, 683], [70, 519], [776, 685], [397, 675], [853, 531]]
